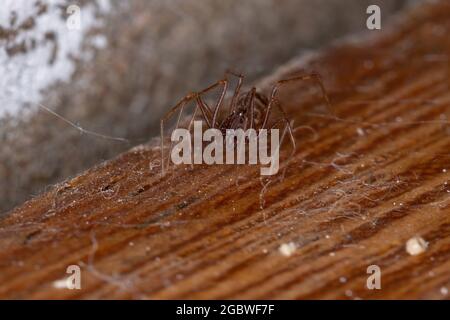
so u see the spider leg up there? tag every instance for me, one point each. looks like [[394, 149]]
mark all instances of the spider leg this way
[[204, 107], [252, 108], [219, 102], [180, 105], [192, 119], [288, 127], [315, 77], [190, 126], [312, 76], [236, 90], [205, 110]]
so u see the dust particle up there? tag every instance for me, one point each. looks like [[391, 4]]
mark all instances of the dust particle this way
[[287, 249], [416, 246]]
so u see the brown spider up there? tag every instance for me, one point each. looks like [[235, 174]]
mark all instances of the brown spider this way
[[248, 109]]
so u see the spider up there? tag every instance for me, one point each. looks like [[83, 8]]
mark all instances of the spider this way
[[246, 109]]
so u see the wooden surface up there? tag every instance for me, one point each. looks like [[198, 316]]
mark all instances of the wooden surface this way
[[366, 178]]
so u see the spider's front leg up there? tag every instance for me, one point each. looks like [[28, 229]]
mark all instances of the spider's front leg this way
[[180, 105], [212, 123], [236, 90], [311, 76]]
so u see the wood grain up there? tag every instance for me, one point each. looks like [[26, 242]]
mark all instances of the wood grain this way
[[367, 176]]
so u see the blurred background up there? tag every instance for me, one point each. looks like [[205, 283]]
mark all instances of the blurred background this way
[[115, 67]]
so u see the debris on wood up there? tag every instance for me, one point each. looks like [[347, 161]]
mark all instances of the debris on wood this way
[[287, 249], [416, 246]]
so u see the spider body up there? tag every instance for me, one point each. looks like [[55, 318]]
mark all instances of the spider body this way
[[247, 109], [241, 117]]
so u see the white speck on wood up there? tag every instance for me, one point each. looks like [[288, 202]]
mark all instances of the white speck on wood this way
[[287, 249], [416, 246], [61, 283]]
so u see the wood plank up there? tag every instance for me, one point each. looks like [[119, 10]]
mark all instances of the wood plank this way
[[367, 176]]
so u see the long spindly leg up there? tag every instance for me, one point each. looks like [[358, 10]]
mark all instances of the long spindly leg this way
[[288, 128], [252, 108], [191, 122], [236, 90], [315, 77], [199, 104], [194, 114], [219, 102], [312, 76], [205, 108], [180, 105], [205, 114], [192, 119], [284, 118]]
